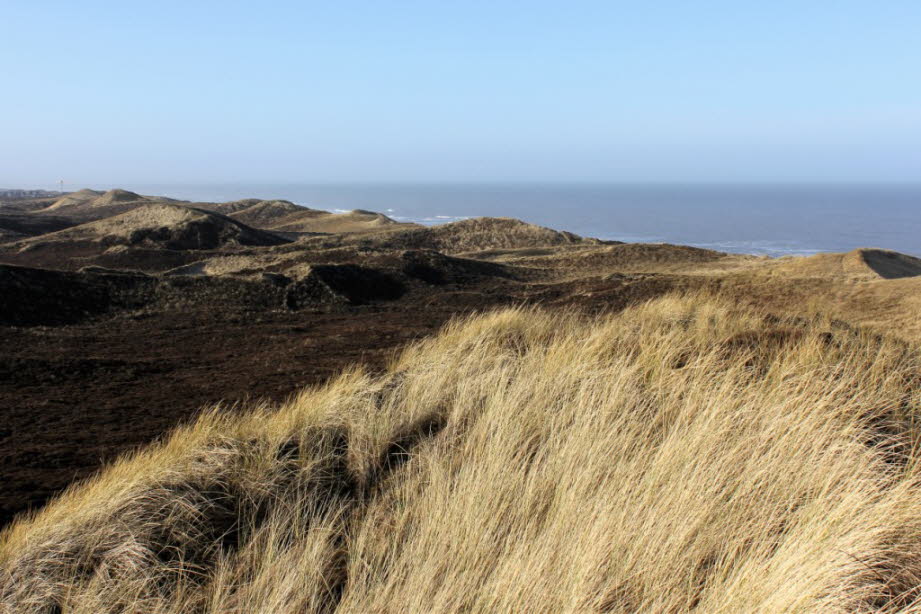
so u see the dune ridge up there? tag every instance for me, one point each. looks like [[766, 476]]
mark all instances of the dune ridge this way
[[75, 198], [171, 226]]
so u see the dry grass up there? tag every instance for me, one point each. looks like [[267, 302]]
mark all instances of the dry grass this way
[[75, 198], [681, 456], [353, 221], [471, 235], [159, 222]]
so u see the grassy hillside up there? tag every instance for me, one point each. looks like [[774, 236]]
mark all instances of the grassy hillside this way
[[683, 455]]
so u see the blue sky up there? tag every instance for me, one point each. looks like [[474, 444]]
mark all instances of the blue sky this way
[[120, 92]]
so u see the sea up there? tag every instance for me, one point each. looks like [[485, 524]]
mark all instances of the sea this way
[[773, 220]]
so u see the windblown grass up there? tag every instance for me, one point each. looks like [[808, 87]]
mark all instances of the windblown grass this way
[[681, 456]]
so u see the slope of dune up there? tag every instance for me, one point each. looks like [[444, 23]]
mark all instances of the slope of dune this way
[[684, 455], [457, 237], [94, 198], [489, 233], [889, 264], [265, 213], [116, 196], [285, 216], [863, 264], [161, 224], [353, 221], [622, 257], [229, 207], [91, 205], [250, 210], [75, 198]]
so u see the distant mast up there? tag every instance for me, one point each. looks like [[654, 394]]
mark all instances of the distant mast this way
[[61, 185]]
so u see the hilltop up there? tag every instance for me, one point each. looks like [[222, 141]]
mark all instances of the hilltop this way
[[166, 225], [285, 216], [94, 198]]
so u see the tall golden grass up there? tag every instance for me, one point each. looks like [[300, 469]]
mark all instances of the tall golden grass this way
[[683, 455]]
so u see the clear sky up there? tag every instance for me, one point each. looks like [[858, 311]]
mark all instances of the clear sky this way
[[291, 91]]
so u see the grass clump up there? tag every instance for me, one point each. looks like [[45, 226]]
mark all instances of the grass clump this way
[[683, 455]]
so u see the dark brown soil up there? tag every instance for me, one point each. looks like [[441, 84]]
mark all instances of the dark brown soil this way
[[74, 397]]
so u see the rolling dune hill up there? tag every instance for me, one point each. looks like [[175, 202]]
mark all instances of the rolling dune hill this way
[[478, 234], [353, 221], [266, 213], [149, 225], [622, 257], [255, 211], [482, 233], [81, 197], [858, 265], [284, 216], [93, 205], [889, 264]]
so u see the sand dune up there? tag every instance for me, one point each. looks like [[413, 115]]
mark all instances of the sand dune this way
[[94, 198], [889, 264], [117, 196], [863, 264], [285, 216], [489, 233], [91, 205], [228, 207], [623, 257], [353, 221], [76, 198], [165, 225], [265, 213], [252, 209], [457, 237]]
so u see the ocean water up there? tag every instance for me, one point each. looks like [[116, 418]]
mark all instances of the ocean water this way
[[774, 220]]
